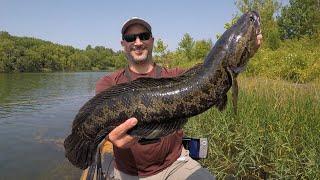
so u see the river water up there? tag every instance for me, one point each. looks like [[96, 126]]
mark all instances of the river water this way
[[36, 112]]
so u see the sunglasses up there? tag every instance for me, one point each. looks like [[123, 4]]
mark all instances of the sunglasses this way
[[132, 37]]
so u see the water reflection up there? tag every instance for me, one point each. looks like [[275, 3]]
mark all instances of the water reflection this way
[[36, 112], [34, 91]]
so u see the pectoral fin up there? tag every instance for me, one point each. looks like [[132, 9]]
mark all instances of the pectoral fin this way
[[235, 91]]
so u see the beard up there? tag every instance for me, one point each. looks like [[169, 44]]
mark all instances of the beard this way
[[146, 55]]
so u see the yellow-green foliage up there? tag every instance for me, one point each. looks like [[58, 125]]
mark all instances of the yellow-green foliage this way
[[295, 60], [276, 134], [178, 59]]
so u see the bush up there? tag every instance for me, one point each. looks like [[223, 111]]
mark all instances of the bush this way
[[295, 61]]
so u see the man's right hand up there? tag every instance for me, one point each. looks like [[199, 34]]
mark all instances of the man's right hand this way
[[119, 137]]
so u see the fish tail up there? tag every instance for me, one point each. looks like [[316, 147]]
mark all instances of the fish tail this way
[[79, 150]]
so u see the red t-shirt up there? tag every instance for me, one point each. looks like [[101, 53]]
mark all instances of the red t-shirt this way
[[148, 159]]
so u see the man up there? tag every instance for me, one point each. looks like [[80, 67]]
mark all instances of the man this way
[[163, 158]]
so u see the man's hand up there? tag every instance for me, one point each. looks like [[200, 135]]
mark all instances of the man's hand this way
[[119, 137], [259, 39]]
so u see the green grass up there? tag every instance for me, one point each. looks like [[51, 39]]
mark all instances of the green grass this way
[[275, 135]]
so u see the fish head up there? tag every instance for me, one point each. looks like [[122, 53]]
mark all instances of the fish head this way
[[243, 41]]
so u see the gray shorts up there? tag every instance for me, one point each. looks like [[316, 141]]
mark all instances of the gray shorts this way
[[183, 168]]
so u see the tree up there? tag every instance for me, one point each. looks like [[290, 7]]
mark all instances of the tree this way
[[89, 47], [160, 48], [186, 45], [299, 18], [201, 49], [119, 59], [160, 51], [24, 54]]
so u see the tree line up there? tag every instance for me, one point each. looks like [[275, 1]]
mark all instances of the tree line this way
[[24, 54], [290, 49]]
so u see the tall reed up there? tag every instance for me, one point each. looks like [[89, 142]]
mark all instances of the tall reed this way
[[275, 135]]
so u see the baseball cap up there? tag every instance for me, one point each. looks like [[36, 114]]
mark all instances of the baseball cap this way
[[135, 20]]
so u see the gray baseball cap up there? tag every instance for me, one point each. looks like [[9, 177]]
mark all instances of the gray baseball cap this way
[[135, 20]]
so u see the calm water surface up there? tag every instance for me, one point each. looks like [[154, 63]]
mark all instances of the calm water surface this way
[[36, 112]]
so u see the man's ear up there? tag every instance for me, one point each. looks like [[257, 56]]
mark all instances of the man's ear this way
[[122, 43]]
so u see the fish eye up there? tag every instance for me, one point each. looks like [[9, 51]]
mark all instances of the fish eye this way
[[252, 18]]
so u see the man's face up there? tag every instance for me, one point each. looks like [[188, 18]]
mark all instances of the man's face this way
[[138, 51]]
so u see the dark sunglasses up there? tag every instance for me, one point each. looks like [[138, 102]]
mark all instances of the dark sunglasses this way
[[132, 37]]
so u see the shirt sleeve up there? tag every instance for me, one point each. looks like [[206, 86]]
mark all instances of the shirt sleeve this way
[[180, 71], [104, 83]]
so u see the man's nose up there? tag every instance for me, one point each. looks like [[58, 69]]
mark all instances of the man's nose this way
[[137, 41]]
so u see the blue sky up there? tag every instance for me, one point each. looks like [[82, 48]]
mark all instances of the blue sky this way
[[98, 22]]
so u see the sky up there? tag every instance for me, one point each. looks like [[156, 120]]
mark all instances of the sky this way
[[79, 23]]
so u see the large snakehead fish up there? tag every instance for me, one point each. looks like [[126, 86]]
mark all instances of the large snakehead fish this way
[[163, 105]]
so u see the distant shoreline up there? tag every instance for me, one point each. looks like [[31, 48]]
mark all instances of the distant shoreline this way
[[106, 70]]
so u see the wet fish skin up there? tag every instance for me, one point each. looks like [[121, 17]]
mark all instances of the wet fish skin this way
[[162, 105], [242, 49]]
